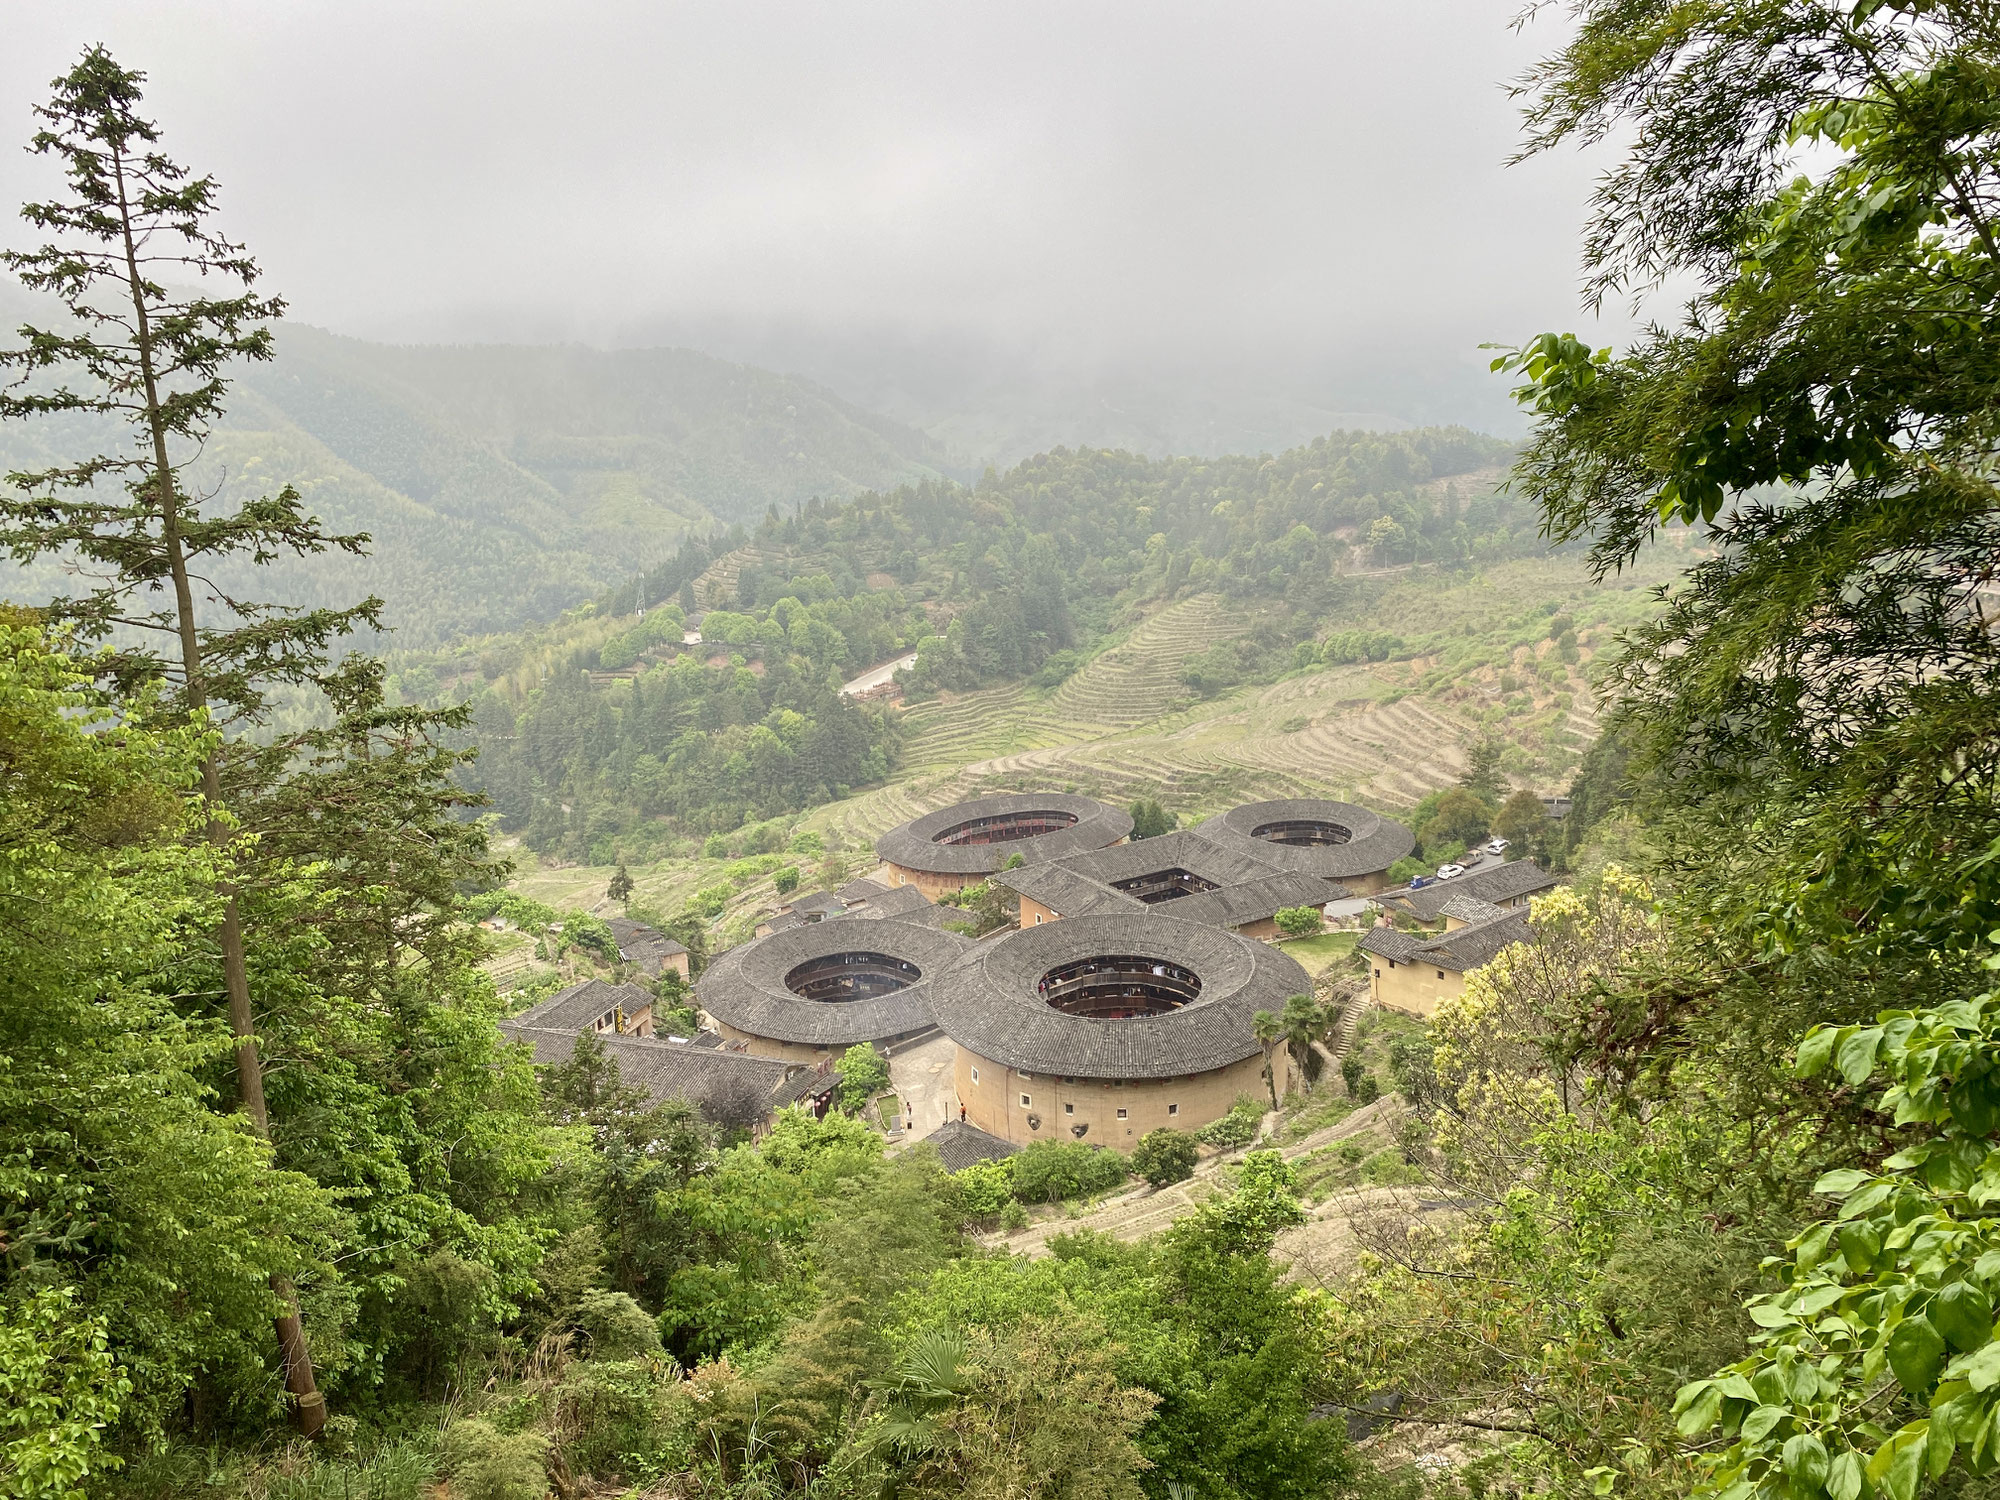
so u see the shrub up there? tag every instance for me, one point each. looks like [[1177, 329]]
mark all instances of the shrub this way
[[985, 1188], [1369, 1089], [615, 1326], [678, 1020], [863, 1074], [710, 899], [1359, 646], [486, 1464], [715, 847], [1149, 819], [620, 1412], [1165, 1156], [786, 880], [1298, 921], [808, 843], [1386, 1168], [1051, 1170], [1351, 1070], [1237, 1128], [1057, 668]]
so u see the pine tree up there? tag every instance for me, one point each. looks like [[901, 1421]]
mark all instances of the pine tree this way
[[1483, 777], [137, 355]]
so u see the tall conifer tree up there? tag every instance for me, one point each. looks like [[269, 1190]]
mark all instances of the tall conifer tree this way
[[139, 354]]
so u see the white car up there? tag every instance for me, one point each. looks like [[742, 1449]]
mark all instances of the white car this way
[[1445, 872], [1496, 846]]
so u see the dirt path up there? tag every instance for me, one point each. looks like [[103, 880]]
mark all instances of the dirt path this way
[[1145, 1210]]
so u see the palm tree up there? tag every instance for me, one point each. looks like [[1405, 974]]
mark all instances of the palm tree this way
[[1303, 1023], [931, 1374], [1269, 1028]]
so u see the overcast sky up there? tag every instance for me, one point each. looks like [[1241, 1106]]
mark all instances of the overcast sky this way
[[1114, 182]]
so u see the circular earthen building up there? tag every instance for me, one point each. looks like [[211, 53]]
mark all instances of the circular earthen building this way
[[1333, 840], [1101, 1028], [811, 992], [961, 845]]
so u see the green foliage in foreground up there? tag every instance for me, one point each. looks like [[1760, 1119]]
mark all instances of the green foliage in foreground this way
[[1892, 1296], [1237, 1128], [1726, 1136]]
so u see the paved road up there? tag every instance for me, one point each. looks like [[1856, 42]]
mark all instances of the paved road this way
[[876, 677], [921, 1078]]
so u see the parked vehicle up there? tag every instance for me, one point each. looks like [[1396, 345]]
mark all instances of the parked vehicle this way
[[1445, 872], [1418, 882], [1496, 846]]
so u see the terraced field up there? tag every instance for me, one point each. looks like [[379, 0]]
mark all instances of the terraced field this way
[[1386, 755], [1126, 726], [1134, 682]]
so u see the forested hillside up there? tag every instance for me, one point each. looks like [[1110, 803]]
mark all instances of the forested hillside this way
[[503, 486], [628, 742], [1689, 1192]]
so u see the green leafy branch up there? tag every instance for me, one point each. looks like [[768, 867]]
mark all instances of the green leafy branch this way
[[1878, 1368]]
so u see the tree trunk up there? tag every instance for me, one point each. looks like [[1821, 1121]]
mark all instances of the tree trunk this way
[[309, 1406]]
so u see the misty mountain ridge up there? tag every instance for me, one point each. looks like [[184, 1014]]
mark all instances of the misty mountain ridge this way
[[993, 401], [503, 484]]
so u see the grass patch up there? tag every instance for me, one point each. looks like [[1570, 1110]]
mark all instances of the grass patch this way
[[1326, 1106], [1315, 954]]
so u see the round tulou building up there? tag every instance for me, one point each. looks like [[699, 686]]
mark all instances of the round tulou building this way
[[1333, 840], [1101, 1028], [811, 992], [961, 845]]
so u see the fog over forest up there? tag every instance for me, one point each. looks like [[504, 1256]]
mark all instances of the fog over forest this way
[[1177, 228]]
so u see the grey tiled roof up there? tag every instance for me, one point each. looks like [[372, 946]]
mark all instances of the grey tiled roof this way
[[988, 1002], [578, 1007], [1067, 892], [897, 901], [645, 946], [704, 1076], [745, 987], [961, 1145], [911, 845], [1469, 947], [1387, 942], [862, 889], [1252, 901], [1186, 849], [1248, 889], [1470, 910], [782, 921], [1459, 951], [937, 918], [1374, 843], [1496, 883], [816, 901]]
